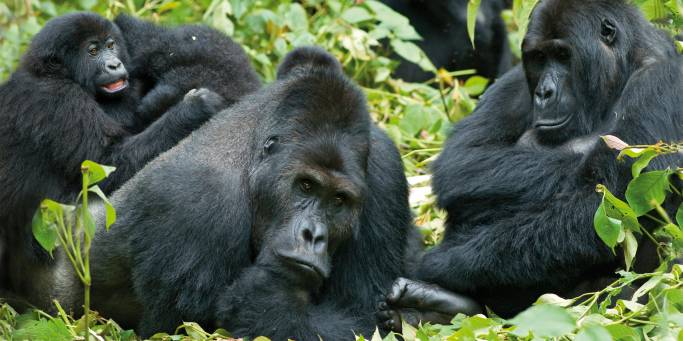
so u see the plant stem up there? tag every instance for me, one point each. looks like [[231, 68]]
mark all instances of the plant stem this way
[[86, 265]]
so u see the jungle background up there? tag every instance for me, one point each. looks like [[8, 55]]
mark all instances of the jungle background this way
[[364, 35]]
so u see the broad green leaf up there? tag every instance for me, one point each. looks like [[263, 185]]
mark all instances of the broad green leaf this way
[[412, 53], [53, 330], [472, 10], [543, 321], [356, 14], [618, 209], [296, 18], [645, 288], [642, 162], [95, 172], [109, 208], [45, 229], [630, 246], [679, 216], [376, 336], [593, 333], [608, 229], [476, 85], [407, 331], [674, 231], [554, 300], [413, 120], [622, 332], [87, 221], [648, 190]]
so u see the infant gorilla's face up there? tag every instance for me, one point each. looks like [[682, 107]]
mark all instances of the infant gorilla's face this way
[[101, 63]]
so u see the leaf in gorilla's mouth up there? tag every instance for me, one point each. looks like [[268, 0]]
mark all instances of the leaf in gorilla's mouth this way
[[116, 86]]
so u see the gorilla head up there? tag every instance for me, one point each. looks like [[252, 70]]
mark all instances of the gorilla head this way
[[308, 188], [89, 49], [578, 57]]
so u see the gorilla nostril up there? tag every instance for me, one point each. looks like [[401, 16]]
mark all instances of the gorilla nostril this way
[[308, 235], [544, 93]]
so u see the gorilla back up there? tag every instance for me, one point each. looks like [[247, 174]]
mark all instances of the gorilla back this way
[[286, 215]]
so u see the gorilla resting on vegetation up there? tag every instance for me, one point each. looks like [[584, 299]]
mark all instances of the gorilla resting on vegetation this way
[[443, 27], [518, 176], [72, 99], [171, 61], [285, 215]]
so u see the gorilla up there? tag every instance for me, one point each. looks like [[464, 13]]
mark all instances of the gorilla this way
[[285, 215], [72, 99], [518, 176], [171, 61], [443, 27]]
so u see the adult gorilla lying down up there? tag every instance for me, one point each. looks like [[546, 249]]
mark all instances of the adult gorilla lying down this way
[[518, 176], [285, 215]]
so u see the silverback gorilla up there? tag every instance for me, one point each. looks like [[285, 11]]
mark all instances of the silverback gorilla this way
[[72, 99], [443, 27], [285, 215], [518, 176]]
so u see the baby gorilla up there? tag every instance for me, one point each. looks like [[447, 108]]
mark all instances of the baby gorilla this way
[[171, 61], [70, 100], [284, 216]]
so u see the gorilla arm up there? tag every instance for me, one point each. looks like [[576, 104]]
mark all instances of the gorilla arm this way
[[267, 300]]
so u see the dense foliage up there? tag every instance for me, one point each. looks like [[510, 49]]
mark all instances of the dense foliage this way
[[364, 35]]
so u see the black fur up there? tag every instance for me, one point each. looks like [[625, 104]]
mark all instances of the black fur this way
[[443, 27], [55, 113], [521, 209], [172, 61], [198, 227]]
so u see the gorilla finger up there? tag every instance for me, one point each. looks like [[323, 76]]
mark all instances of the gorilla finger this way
[[397, 291]]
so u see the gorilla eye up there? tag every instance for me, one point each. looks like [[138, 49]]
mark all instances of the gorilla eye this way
[[339, 199], [608, 31], [306, 185], [270, 145], [92, 50]]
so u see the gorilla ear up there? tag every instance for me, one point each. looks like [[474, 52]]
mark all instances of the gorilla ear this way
[[307, 59]]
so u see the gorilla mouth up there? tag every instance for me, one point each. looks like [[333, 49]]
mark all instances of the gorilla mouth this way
[[115, 86], [306, 266], [548, 124]]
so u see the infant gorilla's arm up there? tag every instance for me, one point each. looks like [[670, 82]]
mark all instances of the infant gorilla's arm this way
[[415, 301], [134, 151]]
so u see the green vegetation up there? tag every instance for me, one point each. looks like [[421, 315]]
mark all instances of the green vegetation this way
[[417, 117]]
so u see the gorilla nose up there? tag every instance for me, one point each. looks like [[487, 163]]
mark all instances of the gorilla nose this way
[[545, 92], [314, 237], [114, 65]]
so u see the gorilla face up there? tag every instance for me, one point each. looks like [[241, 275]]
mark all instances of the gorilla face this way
[[107, 74], [576, 65], [310, 190]]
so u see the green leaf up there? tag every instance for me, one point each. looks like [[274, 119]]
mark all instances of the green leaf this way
[[593, 333], [630, 246], [476, 85], [543, 321], [618, 209], [53, 330], [622, 332], [413, 120], [642, 162], [87, 221], [356, 14], [472, 10], [45, 229], [645, 288], [648, 190], [109, 208], [679, 216], [95, 172], [296, 18], [608, 229]]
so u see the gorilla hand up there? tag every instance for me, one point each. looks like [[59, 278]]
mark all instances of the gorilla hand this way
[[414, 301]]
